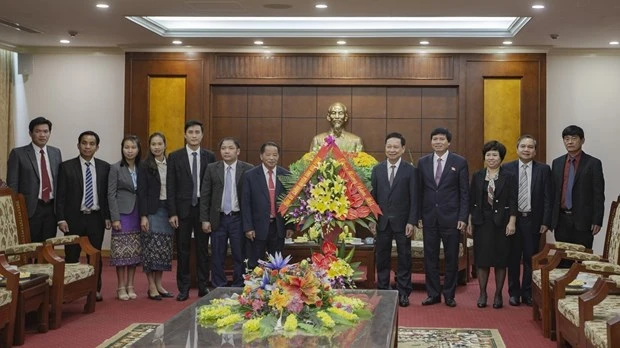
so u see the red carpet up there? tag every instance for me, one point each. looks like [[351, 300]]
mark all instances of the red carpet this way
[[89, 330]]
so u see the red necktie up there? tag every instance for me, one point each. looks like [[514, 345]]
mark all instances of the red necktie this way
[[272, 194], [46, 186]]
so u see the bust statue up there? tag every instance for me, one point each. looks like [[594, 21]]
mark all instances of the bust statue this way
[[337, 116]]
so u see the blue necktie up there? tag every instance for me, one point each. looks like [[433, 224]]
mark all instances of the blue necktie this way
[[571, 182], [89, 197], [134, 179], [228, 182], [195, 179]]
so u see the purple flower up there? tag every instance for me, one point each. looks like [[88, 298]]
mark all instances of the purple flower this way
[[330, 139], [275, 262]]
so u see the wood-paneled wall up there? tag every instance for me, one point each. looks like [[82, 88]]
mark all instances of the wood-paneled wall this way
[[285, 97]]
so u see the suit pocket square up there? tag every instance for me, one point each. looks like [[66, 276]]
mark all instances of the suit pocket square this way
[[453, 169]]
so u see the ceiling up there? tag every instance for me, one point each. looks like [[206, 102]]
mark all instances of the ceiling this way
[[579, 24]]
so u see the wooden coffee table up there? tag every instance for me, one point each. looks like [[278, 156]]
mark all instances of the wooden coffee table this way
[[33, 295]]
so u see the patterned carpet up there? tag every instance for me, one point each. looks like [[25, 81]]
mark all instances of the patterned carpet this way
[[448, 338], [408, 337]]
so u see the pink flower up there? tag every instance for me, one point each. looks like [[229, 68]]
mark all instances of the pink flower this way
[[295, 305], [257, 305]]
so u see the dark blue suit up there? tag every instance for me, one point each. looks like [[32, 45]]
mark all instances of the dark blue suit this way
[[443, 206], [255, 213], [526, 240], [399, 204]]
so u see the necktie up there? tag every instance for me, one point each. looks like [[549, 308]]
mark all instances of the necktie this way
[[491, 191], [46, 186], [524, 191], [392, 174], [571, 182], [89, 197], [272, 194], [228, 182], [134, 179], [438, 172], [194, 179]]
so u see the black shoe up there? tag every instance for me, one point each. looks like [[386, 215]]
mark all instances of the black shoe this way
[[155, 298], [202, 293], [498, 302], [482, 301], [514, 301], [98, 297], [166, 294], [182, 296], [431, 301], [450, 302], [527, 300], [403, 300]]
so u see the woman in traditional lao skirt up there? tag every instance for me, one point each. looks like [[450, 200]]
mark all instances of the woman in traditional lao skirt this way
[[156, 231], [122, 188]]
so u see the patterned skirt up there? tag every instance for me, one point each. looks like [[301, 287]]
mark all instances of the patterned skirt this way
[[157, 243], [125, 247]]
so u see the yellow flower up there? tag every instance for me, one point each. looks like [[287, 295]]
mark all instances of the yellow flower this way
[[228, 320], [207, 313], [251, 325], [258, 271], [355, 303], [325, 319], [341, 312], [279, 299], [364, 160], [291, 323], [339, 268]]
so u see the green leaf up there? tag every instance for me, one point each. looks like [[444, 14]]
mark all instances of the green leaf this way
[[267, 324], [350, 255], [363, 314], [341, 320], [309, 221], [362, 223], [309, 328]]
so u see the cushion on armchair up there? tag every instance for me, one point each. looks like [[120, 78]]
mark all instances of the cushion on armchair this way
[[607, 309], [554, 274], [66, 239], [5, 297], [601, 266], [580, 255], [8, 226], [596, 332], [569, 246], [73, 271]]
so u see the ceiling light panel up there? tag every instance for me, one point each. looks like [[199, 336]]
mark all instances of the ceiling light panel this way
[[333, 26]]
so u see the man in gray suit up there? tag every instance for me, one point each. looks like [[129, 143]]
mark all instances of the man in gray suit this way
[[33, 172], [220, 211]]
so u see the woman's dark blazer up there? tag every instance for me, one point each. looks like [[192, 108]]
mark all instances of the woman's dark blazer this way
[[505, 200], [149, 185]]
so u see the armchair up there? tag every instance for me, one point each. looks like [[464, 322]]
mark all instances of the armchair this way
[[8, 301]]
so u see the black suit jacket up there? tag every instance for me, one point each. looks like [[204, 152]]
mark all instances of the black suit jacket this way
[[447, 204], [504, 202], [179, 186], [71, 190], [23, 173], [212, 190], [255, 203], [588, 192], [149, 187], [399, 203], [541, 191]]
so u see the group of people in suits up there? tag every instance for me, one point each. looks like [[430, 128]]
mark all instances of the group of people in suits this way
[[148, 203], [506, 208]]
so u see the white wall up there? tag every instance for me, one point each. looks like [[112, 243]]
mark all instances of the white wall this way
[[77, 92], [584, 89]]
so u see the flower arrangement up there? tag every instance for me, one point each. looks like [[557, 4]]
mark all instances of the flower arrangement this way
[[288, 299], [329, 190]]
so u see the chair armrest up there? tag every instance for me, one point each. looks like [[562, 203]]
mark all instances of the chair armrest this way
[[613, 331], [568, 246], [22, 248], [11, 273], [601, 267], [596, 295], [581, 256], [63, 240], [561, 283]]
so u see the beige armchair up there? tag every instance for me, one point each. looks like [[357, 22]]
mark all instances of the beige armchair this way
[[8, 301]]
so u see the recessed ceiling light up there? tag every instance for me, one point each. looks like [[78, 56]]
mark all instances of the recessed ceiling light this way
[[321, 6], [538, 7], [177, 42], [258, 42], [614, 42], [102, 5], [63, 41], [341, 42], [424, 42], [507, 42], [267, 51]]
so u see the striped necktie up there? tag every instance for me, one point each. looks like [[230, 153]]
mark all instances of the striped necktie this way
[[89, 197], [524, 191]]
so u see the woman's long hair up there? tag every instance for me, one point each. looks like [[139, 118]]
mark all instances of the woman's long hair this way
[[135, 140], [150, 158]]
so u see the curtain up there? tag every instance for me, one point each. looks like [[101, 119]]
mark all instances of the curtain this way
[[6, 124]]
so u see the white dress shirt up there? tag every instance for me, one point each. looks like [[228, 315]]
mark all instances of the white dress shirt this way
[[37, 153], [191, 160], [444, 157], [389, 168], [162, 169], [233, 189], [93, 173]]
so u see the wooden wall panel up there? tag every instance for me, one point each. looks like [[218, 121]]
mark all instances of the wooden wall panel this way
[[368, 102], [404, 102], [261, 130], [299, 102], [229, 127], [264, 101], [297, 133], [429, 124], [233, 104], [439, 103]]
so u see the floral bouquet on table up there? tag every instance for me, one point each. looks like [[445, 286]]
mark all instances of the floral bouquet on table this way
[[328, 193], [285, 299]]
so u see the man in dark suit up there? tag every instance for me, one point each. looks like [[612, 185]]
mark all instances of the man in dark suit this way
[[579, 203], [220, 211], [263, 226], [186, 168], [82, 200], [444, 190], [395, 189], [33, 172], [535, 194]]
